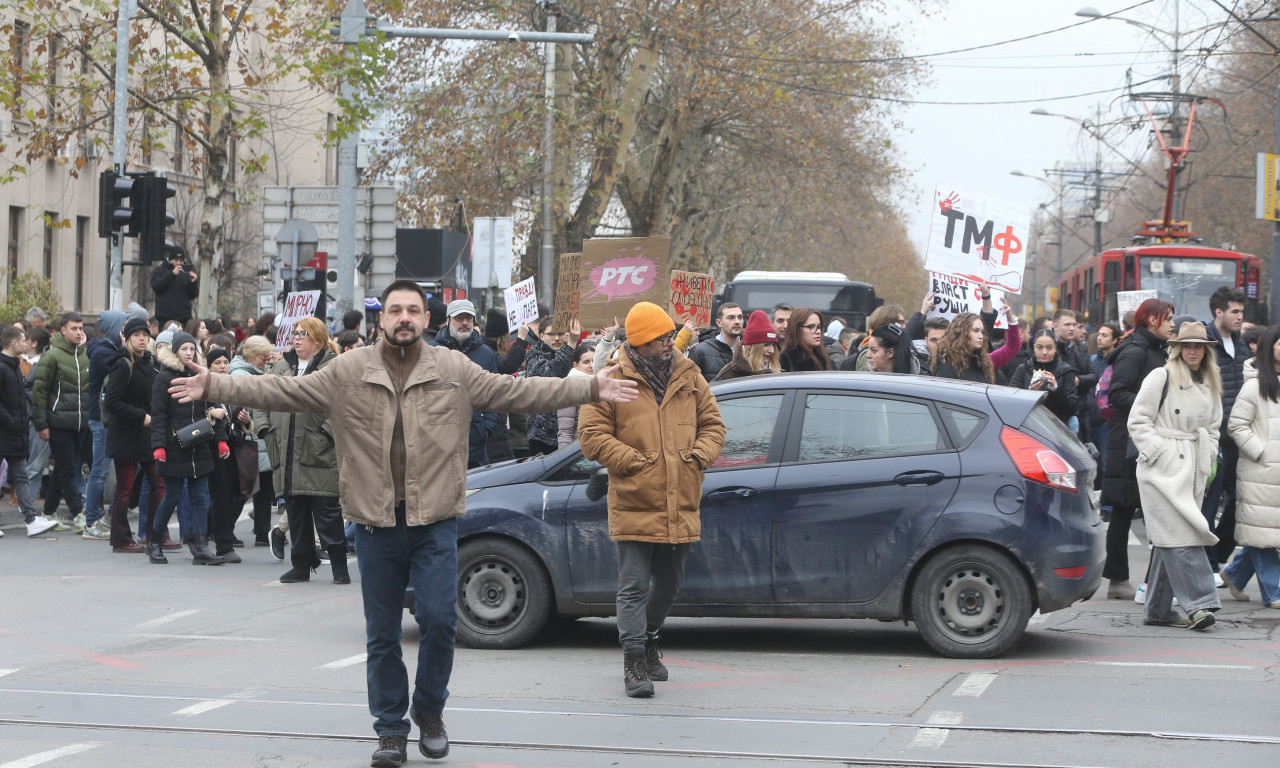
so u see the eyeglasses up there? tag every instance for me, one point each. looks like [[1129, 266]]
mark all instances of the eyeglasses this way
[[812, 327], [667, 340], [299, 334]]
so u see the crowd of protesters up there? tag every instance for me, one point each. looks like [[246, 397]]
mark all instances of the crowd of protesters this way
[[95, 397]]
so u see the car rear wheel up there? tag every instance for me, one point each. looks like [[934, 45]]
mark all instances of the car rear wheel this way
[[971, 602], [504, 594]]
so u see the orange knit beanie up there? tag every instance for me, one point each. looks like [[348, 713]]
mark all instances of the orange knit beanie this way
[[647, 321]]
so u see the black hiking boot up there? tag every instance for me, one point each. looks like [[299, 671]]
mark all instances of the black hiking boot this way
[[635, 675], [433, 741], [653, 657], [392, 751]]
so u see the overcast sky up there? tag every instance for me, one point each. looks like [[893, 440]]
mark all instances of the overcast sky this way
[[976, 146]]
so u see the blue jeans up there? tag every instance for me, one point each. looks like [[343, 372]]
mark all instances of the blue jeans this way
[[97, 473], [197, 523], [391, 559], [1265, 563]]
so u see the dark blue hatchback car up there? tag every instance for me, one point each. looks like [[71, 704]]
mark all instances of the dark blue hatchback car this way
[[963, 508]]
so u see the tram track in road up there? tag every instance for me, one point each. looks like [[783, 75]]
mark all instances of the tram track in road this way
[[686, 753]]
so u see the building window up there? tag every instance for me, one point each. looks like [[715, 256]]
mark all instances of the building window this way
[[18, 42], [82, 243], [15, 237], [50, 218]]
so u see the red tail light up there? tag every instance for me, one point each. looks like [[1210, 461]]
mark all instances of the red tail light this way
[[1038, 462]]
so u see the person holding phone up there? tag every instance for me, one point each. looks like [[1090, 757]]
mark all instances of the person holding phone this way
[[176, 285]]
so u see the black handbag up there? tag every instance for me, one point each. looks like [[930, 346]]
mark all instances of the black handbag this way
[[194, 434]]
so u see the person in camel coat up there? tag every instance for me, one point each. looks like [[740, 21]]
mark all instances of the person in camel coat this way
[[1174, 426]]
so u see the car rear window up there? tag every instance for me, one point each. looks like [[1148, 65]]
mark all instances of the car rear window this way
[[1042, 422], [964, 425], [854, 427]]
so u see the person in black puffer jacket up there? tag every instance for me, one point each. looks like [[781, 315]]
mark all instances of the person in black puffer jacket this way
[[1138, 354], [1056, 377], [185, 470], [126, 406], [509, 356], [1227, 305], [547, 359]]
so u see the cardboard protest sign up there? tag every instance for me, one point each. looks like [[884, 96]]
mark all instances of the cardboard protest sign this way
[[691, 294], [617, 273], [522, 303], [296, 306], [978, 238], [953, 295], [568, 291], [1129, 301]]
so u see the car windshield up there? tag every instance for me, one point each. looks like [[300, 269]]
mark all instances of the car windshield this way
[[1184, 281]]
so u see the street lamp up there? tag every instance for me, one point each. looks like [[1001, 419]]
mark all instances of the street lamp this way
[[1057, 191], [1097, 171]]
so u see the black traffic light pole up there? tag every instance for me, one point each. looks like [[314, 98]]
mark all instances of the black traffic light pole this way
[[146, 215]]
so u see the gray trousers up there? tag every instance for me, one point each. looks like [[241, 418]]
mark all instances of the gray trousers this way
[[1181, 572], [649, 578]]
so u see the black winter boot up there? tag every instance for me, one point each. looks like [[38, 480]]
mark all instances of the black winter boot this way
[[338, 561], [200, 552], [653, 658], [635, 675], [155, 553], [304, 563]]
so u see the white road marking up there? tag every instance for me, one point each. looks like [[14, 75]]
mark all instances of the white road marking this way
[[166, 619], [932, 738], [4, 672], [158, 636], [1162, 665], [41, 758], [350, 661], [1036, 618], [975, 683], [200, 707], [276, 583]]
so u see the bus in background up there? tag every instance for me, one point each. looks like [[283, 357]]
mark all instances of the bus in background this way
[[1184, 274], [831, 293]]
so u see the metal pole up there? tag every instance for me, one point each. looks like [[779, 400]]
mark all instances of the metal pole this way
[[293, 286], [1097, 182], [119, 146], [354, 18], [547, 258], [1274, 316]]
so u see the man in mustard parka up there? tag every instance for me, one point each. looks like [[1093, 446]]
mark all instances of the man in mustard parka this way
[[655, 448]]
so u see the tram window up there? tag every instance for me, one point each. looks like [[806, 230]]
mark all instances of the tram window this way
[[1111, 277]]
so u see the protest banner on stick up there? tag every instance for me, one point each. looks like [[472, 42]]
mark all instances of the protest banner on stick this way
[[978, 238], [618, 272], [568, 291], [522, 303], [691, 294], [953, 295], [297, 305]]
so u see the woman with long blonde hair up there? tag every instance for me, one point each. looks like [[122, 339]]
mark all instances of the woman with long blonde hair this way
[[756, 351], [1174, 426]]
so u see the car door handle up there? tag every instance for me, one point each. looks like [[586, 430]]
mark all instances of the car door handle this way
[[919, 477], [729, 494]]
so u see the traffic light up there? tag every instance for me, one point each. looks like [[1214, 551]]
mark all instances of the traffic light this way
[[113, 214], [153, 217]]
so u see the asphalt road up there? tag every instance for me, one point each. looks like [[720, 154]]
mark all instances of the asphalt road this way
[[106, 660]]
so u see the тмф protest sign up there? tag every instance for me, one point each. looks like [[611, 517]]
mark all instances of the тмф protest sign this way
[[691, 294], [978, 238], [953, 295], [296, 306], [618, 272], [568, 291], [522, 303]]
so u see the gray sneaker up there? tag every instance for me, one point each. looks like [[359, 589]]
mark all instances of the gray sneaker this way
[[433, 741], [100, 530], [392, 751], [60, 524]]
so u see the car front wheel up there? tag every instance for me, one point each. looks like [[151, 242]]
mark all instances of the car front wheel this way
[[504, 594], [971, 602]]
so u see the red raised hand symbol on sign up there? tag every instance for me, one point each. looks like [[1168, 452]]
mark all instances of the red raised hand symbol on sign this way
[[949, 202]]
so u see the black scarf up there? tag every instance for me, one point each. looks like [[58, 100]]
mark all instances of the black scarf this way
[[656, 375]]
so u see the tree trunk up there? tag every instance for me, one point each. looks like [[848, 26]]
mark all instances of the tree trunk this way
[[209, 246]]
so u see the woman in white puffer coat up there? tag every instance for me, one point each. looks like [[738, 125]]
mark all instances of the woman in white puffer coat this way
[[1174, 424], [1255, 426]]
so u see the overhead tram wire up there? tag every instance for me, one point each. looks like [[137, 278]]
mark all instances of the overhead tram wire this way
[[874, 60]]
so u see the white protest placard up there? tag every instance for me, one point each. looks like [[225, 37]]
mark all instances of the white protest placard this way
[[522, 303], [1129, 301], [978, 237], [297, 305], [953, 295]]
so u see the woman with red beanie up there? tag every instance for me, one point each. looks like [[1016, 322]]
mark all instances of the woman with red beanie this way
[[756, 352]]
